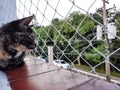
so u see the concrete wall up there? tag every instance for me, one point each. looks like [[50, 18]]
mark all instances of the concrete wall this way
[[7, 11]]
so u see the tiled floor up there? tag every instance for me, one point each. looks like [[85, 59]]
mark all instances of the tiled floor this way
[[35, 75]]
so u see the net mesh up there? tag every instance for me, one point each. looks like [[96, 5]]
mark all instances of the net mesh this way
[[70, 26]]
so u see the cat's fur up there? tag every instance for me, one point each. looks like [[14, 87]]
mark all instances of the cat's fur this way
[[16, 38]]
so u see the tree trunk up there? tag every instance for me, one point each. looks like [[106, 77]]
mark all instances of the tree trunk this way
[[78, 60]]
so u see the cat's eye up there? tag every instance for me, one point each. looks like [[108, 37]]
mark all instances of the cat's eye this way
[[31, 36]]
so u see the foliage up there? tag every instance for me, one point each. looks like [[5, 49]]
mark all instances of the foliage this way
[[93, 56], [75, 32]]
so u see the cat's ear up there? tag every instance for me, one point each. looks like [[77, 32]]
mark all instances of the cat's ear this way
[[25, 21]]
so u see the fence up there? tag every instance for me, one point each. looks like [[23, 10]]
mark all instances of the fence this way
[[70, 27]]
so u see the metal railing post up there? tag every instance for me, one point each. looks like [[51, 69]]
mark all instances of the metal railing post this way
[[50, 54]]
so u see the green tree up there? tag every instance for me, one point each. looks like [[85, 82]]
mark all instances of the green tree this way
[[68, 34]]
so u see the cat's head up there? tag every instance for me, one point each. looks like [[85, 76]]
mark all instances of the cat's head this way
[[20, 33]]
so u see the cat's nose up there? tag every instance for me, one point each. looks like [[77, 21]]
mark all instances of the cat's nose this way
[[35, 45]]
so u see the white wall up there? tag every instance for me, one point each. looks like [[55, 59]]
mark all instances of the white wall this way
[[7, 11]]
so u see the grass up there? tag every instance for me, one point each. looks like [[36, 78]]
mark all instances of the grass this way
[[100, 71], [116, 74], [83, 67]]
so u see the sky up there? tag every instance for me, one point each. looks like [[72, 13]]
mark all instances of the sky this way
[[46, 10]]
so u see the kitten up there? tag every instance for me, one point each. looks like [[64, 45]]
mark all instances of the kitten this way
[[16, 38]]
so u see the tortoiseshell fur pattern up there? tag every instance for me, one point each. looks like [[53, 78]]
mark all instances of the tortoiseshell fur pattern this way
[[16, 38]]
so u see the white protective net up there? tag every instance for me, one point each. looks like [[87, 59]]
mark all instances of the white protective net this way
[[75, 29]]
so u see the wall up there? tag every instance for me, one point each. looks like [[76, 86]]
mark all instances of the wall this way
[[7, 11]]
